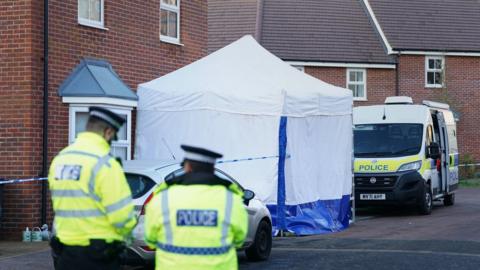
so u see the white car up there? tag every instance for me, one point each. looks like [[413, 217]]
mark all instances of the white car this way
[[143, 176]]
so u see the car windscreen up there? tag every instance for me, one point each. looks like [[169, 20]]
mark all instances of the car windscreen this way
[[139, 184], [387, 140]]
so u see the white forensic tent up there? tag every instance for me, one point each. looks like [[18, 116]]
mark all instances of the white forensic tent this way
[[284, 134]]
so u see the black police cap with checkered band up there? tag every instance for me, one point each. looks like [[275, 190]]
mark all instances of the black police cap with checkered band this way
[[200, 154], [109, 117]]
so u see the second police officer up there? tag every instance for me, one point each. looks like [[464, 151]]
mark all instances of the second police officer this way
[[91, 198], [196, 220]]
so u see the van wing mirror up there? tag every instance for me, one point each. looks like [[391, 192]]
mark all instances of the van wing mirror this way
[[433, 151]]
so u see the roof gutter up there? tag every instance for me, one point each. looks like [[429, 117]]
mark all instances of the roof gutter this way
[[45, 113], [433, 53], [397, 76], [259, 20], [339, 64]]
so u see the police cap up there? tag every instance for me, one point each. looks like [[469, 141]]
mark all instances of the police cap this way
[[200, 154], [109, 117]]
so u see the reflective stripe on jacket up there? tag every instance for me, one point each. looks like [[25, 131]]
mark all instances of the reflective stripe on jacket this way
[[196, 227], [90, 195]]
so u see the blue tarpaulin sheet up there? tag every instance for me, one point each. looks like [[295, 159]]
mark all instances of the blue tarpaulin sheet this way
[[323, 216]]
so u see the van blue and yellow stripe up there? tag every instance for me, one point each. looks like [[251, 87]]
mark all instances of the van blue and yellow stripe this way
[[454, 160]]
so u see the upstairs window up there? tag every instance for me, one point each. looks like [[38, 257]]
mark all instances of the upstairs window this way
[[434, 71], [170, 21], [90, 13], [356, 81]]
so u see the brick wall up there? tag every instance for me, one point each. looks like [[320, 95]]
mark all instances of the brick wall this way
[[20, 135], [462, 91], [131, 44], [380, 82], [462, 80]]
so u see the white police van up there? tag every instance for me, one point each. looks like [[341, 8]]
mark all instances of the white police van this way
[[405, 154]]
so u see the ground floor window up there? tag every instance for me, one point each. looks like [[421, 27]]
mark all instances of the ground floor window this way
[[78, 117]]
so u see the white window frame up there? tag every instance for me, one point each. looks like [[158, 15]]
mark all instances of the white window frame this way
[[427, 70], [91, 23], [364, 72], [74, 108], [175, 9]]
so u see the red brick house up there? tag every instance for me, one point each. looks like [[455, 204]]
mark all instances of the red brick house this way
[[124, 43], [425, 49]]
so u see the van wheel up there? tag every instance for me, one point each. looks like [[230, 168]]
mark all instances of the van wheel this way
[[426, 201], [449, 199], [262, 245]]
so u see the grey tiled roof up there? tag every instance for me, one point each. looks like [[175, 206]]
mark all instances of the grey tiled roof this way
[[430, 25], [95, 78], [229, 20], [342, 30], [319, 30]]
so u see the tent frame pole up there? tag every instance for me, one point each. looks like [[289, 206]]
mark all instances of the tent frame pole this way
[[353, 175], [281, 193]]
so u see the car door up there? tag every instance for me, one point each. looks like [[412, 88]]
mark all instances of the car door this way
[[250, 207], [141, 187]]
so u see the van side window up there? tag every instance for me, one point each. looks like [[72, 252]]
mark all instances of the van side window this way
[[452, 139], [429, 137]]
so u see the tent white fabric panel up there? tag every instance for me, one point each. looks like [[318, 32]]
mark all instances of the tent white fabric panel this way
[[318, 166], [244, 78], [235, 135], [237, 101]]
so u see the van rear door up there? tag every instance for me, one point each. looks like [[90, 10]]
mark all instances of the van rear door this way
[[445, 161]]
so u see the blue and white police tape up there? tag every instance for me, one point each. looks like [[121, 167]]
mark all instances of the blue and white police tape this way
[[16, 181], [469, 165], [247, 159]]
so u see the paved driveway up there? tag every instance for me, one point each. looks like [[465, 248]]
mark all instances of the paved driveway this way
[[381, 239], [390, 239]]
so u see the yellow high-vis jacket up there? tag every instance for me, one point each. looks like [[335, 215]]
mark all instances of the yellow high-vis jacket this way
[[91, 197], [195, 222]]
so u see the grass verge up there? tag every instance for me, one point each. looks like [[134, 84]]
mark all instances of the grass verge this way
[[470, 183]]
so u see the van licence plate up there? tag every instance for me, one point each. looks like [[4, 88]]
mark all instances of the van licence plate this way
[[372, 196]]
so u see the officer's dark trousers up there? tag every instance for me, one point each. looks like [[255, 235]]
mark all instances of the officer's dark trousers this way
[[73, 258]]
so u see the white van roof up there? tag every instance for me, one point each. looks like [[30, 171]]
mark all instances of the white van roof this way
[[388, 114], [399, 100], [438, 105]]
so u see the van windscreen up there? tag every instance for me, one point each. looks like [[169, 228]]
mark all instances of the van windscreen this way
[[387, 140]]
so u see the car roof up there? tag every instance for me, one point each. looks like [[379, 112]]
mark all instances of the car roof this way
[[147, 165], [151, 168]]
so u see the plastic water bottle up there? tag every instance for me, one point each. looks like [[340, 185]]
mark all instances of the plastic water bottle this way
[[36, 234], [45, 233], [27, 235]]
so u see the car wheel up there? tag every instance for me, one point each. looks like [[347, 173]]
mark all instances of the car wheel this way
[[262, 245], [426, 201], [449, 199]]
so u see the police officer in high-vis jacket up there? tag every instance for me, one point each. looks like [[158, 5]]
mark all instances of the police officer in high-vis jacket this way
[[91, 198], [196, 220]]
